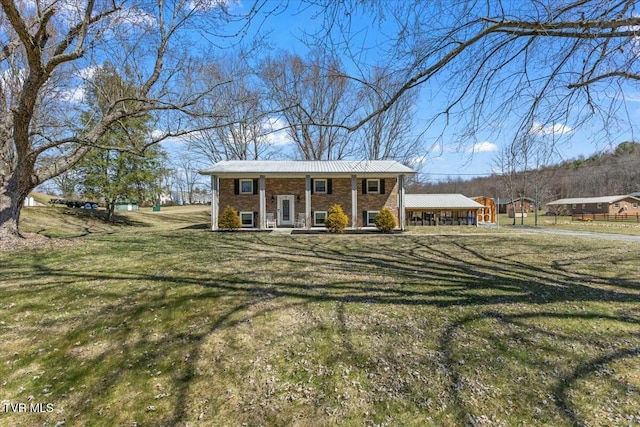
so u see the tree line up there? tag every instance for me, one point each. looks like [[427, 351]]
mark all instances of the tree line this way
[[203, 72], [608, 173]]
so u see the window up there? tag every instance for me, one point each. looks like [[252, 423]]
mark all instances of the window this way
[[373, 186], [319, 217], [573, 206], [584, 206], [635, 206], [599, 205], [617, 205], [247, 219], [246, 186], [320, 186], [371, 216]]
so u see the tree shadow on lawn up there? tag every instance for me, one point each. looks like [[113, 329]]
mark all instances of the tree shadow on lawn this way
[[415, 272]]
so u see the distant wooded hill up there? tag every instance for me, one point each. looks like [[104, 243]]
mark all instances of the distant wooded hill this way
[[607, 173]]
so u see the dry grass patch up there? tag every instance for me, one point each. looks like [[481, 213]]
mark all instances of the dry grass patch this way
[[171, 325]]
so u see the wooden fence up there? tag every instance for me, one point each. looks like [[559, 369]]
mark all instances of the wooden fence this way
[[606, 217]]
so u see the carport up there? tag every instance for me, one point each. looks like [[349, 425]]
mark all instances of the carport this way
[[441, 209]]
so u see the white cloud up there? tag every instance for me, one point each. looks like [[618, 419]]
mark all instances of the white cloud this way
[[207, 5], [88, 72], [555, 129], [483, 147], [135, 18], [75, 96], [275, 133]]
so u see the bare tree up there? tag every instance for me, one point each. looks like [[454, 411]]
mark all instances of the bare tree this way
[[507, 165], [313, 96], [234, 120], [185, 178], [562, 63], [49, 47], [390, 134]]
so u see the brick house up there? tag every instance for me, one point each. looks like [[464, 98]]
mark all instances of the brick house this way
[[300, 193], [610, 205], [517, 206]]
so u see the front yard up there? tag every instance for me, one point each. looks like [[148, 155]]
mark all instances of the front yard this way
[[150, 325]]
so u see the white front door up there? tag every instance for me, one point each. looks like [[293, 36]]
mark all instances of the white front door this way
[[285, 210]]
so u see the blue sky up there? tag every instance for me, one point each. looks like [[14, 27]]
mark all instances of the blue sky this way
[[442, 158]]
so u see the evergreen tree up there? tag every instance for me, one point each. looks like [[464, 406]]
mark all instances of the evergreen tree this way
[[119, 171]]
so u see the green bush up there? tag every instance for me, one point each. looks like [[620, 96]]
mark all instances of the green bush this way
[[385, 221], [336, 220], [229, 220]]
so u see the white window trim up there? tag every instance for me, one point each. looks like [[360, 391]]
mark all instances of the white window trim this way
[[246, 225], [616, 205], [635, 206], [573, 206], [246, 192], [599, 206], [315, 218], [376, 191], [315, 188], [371, 223]]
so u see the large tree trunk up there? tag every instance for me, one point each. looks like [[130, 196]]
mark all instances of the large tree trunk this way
[[12, 195]]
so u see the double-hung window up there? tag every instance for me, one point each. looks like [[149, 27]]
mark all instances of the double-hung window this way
[[320, 186], [373, 186], [246, 186], [319, 218], [371, 216], [246, 218]]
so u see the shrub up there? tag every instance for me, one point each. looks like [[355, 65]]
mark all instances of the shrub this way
[[385, 221], [229, 220], [336, 220]]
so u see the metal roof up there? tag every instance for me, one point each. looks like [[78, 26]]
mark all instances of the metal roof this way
[[293, 167], [585, 200], [440, 201]]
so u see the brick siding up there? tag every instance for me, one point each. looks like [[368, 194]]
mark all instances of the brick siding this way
[[340, 194]]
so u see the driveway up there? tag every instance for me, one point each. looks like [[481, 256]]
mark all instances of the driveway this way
[[602, 236]]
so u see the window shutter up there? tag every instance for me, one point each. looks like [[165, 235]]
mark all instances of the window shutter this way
[[364, 186], [255, 186], [236, 186], [382, 186], [313, 188], [329, 186], [364, 218]]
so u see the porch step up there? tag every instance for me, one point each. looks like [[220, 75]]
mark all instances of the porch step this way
[[282, 231]]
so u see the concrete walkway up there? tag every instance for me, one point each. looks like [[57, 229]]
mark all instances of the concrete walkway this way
[[282, 231]]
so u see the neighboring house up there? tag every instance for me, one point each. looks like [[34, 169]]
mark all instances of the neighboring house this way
[[515, 206], [611, 205], [441, 209], [300, 193]]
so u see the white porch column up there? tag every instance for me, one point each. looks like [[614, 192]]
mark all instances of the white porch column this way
[[354, 202], [215, 209], [401, 204], [307, 202], [262, 214]]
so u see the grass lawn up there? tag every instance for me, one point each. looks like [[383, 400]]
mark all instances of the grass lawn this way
[[157, 321]]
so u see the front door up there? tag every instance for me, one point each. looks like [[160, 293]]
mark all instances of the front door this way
[[285, 210]]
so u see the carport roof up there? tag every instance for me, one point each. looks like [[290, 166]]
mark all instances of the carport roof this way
[[440, 201]]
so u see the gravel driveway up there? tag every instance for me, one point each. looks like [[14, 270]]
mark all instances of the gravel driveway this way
[[602, 236]]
